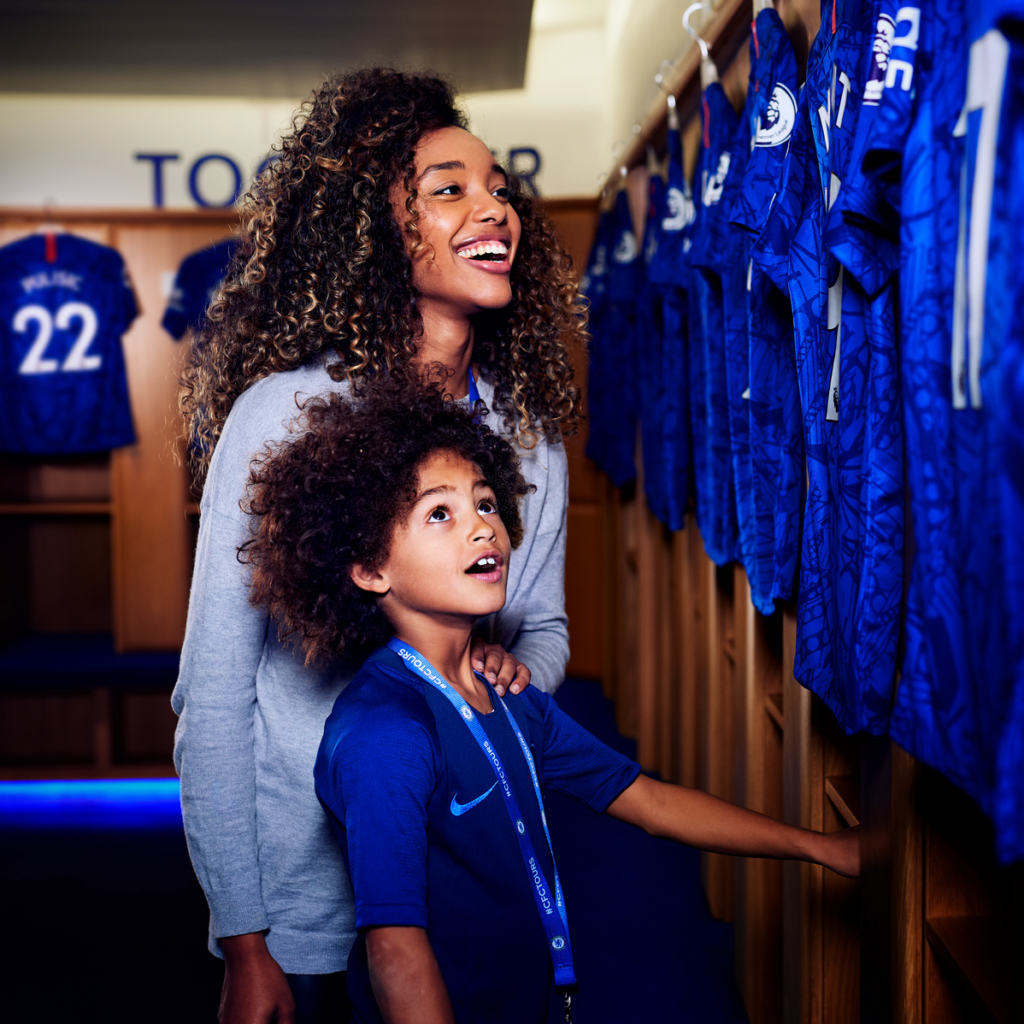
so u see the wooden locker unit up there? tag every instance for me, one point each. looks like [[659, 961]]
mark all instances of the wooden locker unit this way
[[718, 763], [575, 223]]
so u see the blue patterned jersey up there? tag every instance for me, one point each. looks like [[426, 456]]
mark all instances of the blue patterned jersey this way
[[616, 451], [64, 304], [865, 376], [650, 356], [195, 285], [954, 666], [847, 624], [668, 272], [709, 257], [594, 285], [1003, 392], [776, 431]]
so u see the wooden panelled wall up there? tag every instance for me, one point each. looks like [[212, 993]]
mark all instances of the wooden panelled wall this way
[[930, 934]]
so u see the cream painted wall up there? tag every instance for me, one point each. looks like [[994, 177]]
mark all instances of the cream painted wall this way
[[589, 77]]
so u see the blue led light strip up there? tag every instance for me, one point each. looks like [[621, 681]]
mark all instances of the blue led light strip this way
[[91, 803]]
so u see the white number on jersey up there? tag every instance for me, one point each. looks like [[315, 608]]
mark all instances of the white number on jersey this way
[[78, 359], [985, 79]]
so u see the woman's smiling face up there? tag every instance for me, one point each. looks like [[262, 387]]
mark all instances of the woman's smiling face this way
[[468, 228]]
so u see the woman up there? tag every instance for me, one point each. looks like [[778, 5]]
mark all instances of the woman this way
[[384, 241]]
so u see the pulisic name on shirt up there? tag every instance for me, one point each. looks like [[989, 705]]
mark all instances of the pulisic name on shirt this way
[[51, 279]]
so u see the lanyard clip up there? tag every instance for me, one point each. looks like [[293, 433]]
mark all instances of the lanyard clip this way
[[568, 1008]]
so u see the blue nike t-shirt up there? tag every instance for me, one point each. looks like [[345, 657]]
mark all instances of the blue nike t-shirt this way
[[65, 302], [428, 839]]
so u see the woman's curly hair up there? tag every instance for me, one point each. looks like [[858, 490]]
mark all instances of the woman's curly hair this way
[[331, 497], [322, 266]]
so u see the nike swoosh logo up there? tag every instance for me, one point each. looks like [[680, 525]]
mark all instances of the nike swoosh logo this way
[[458, 808]]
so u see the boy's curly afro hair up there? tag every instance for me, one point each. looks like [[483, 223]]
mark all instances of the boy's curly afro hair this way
[[332, 495]]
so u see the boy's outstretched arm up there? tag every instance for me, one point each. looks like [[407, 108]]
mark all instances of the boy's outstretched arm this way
[[709, 823], [405, 978]]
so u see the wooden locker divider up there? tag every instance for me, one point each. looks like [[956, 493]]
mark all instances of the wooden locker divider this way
[[718, 766]]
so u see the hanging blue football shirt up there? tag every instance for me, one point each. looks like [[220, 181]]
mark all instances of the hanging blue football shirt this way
[[848, 606], [195, 285], [1002, 385], [651, 357], [716, 495], [65, 302], [865, 383], [732, 256], [776, 431], [619, 408], [668, 271], [943, 710], [594, 285]]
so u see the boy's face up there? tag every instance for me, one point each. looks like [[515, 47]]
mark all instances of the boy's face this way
[[449, 558]]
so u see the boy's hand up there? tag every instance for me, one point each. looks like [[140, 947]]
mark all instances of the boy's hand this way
[[840, 851], [499, 668], [255, 989]]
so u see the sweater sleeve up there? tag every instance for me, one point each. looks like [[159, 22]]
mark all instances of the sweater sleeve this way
[[541, 641], [226, 641], [215, 699]]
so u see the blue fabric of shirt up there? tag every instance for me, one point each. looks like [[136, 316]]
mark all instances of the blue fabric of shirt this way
[[651, 355], [614, 409], [669, 273], [594, 285], [395, 765], [870, 418], [776, 429], [58, 409], [1004, 388], [195, 285], [713, 274]]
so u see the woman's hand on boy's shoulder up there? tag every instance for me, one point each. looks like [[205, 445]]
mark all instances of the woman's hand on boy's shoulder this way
[[501, 669]]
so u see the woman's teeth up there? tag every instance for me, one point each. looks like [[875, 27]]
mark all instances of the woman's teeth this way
[[484, 250], [483, 565]]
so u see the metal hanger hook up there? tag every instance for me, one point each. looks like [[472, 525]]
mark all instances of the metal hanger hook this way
[[692, 31], [661, 75]]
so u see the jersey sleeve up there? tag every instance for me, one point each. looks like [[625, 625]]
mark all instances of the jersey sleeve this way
[[376, 776], [128, 303], [576, 763], [181, 305]]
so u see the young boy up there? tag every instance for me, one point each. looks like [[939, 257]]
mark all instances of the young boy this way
[[384, 532]]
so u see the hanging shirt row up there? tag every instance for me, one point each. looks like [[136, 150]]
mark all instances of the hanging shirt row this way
[[818, 345], [65, 303]]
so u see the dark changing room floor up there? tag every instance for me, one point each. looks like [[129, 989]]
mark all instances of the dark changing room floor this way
[[103, 920]]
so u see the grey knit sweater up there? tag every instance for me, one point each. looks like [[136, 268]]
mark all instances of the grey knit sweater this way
[[251, 717]]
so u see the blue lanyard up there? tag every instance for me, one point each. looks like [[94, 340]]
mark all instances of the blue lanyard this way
[[556, 926], [474, 394]]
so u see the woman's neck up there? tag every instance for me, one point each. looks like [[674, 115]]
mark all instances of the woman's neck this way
[[447, 648], [447, 340]]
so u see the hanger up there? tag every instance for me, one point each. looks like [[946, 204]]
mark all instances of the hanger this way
[[661, 80], [49, 226], [50, 229], [708, 68]]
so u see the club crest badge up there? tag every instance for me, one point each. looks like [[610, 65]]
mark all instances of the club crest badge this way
[[679, 210], [626, 250], [779, 119], [885, 32]]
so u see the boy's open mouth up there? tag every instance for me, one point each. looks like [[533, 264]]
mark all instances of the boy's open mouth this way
[[487, 563]]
